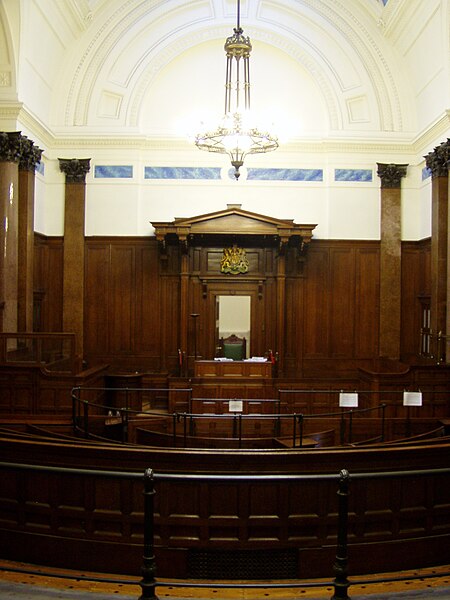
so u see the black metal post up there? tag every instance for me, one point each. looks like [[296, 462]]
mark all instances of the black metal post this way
[[240, 429], [148, 569], [383, 420], [342, 428], [174, 427], [184, 430], [341, 583], [300, 426], [278, 421], [350, 428], [195, 317], [86, 418], [74, 411], [294, 431]]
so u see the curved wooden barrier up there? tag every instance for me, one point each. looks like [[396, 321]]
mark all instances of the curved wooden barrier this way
[[96, 522]]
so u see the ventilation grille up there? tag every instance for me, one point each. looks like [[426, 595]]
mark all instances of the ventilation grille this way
[[243, 564]]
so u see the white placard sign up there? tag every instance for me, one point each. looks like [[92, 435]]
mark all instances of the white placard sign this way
[[412, 398], [348, 400], [236, 406]]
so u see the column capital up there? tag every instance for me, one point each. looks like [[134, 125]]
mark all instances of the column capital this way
[[10, 146], [75, 169], [438, 161], [391, 174], [30, 155]]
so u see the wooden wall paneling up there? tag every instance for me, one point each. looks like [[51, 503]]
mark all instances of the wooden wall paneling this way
[[294, 328], [425, 267], [97, 298], [262, 324], [366, 326], [411, 278], [148, 301], [49, 518], [17, 391], [122, 312], [342, 302], [266, 328], [316, 313], [167, 320], [416, 286], [198, 304], [48, 280]]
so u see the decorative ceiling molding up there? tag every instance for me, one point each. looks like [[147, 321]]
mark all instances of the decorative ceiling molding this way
[[377, 69], [53, 141], [335, 15]]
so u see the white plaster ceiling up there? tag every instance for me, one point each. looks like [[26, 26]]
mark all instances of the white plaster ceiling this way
[[149, 67], [145, 65]]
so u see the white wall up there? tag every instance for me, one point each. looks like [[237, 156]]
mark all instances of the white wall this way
[[126, 207]]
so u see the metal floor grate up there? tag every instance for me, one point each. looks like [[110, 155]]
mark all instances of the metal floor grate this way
[[243, 564]]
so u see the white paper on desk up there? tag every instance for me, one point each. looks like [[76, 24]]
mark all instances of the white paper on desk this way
[[235, 406], [412, 398], [348, 400]]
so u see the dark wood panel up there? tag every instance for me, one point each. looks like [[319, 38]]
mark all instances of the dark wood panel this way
[[148, 300], [317, 294], [367, 291], [97, 295], [342, 301], [48, 282], [122, 305], [394, 523], [331, 302], [416, 285]]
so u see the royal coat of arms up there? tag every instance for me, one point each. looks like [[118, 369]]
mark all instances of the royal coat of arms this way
[[234, 261]]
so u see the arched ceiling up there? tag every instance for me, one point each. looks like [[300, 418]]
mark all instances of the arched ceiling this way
[[145, 67], [330, 51]]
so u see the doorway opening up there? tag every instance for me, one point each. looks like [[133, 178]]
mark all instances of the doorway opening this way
[[233, 316]]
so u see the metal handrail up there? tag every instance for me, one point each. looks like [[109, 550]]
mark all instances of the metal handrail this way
[[297, 418], [149, 583]]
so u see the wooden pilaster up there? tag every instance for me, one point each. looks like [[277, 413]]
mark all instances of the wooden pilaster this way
[[281, 307]]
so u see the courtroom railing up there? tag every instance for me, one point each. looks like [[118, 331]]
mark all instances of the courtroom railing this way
[[83, 409], [149, 583], [230, 416], [53, 352]]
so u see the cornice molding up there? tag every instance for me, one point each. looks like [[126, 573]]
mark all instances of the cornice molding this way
[[437, 132], [53, 142]]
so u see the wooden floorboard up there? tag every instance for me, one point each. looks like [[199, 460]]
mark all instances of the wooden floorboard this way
[[423, 583]]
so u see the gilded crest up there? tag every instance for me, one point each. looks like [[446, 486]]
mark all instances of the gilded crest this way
[[234, 261]]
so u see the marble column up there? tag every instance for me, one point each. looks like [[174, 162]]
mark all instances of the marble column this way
[[438, 162], [390, 259], [73, 260], [30, 157], [10, 147]]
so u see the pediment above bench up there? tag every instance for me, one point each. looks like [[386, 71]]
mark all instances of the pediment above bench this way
[[233, 225]]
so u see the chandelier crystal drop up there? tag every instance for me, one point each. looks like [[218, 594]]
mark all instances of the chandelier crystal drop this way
[[235, 134]]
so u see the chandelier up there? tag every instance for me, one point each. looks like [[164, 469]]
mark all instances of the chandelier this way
[[235, 134]]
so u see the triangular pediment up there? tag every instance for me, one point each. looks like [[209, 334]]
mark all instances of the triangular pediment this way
[[233, 221]]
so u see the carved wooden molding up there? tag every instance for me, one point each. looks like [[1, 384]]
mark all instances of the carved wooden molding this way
[[234, 225]]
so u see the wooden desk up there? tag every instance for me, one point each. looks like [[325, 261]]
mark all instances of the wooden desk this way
[[233, 368]]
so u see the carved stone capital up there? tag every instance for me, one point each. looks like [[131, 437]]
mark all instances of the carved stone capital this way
[[10, 146], [75, 169], [30, 155], [438, 161], [391, 174]]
